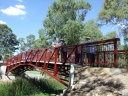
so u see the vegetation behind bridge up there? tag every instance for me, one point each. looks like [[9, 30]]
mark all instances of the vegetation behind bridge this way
[[66, 19]]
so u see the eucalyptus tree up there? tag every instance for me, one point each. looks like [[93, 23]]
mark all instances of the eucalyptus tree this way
[[91, 29], [115, 12], [22, 44], [63, 12], [26, 43], [110, 35], [44, 39], [72, 30], [8, 41], [30, 40]]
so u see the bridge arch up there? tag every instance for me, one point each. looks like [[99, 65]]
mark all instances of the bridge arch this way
[[49, 61]]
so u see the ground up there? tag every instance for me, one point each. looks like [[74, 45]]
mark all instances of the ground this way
[[99, 82], [96, 81]]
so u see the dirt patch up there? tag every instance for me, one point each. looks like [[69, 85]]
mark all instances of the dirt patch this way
[[5, 81], [99, 82]]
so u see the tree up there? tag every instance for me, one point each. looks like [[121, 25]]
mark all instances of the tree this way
[[90, 29], [30, 41], [116, 12], [110, 35], [43, 41], [26, 43], [73, 31], [61, 13], [8, 41], [22, 44]]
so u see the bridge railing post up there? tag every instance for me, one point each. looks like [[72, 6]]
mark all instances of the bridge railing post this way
[[115, 54], [71, 75]]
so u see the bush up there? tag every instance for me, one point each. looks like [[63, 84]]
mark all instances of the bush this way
[[4, 89], [30, 87]]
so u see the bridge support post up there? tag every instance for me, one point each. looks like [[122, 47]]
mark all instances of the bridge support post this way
[[115, 54], [3, 70], [71, 75]]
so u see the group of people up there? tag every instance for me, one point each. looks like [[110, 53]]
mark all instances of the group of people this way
[[89, 50]]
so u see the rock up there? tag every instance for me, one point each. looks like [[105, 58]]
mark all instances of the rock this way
[[117, 71], [124, 92]]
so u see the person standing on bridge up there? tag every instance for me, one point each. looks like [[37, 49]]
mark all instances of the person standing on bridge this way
[[78, 54], [63, 51], [90, 52], [56, 43]]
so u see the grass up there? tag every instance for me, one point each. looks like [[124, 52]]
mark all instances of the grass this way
[[31, 87], [41, 94]]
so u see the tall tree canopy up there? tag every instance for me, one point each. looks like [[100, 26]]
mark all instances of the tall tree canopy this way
[[110, 35], [91, 29], [114, 11], [30, 41], [8, 41], [43, 41], [22, 44], [61, 12], [72, 30], [26, 43]]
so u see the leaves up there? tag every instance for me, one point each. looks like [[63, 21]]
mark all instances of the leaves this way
[[61, 13], [90, 29], [114, 9], [43, 41], [116, 12], [73, 31], [110, 35], [8, 40]]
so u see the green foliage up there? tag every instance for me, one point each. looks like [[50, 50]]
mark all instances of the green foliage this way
[[51, 86], [114, 11], [90, 29], [59, 15], [122, 60], [22, 45], [8, 41], [43, 41], [20, 87], [110, 35], [26, 43], [30, 87], [4, 89], [73, 31], [30, 41], [124, 47]]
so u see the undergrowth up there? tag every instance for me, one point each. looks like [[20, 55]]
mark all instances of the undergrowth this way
[[30, 87]]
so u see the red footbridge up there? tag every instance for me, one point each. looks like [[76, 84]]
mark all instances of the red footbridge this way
[[50, 61]]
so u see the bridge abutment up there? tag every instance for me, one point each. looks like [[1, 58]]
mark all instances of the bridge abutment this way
[[3, 70]]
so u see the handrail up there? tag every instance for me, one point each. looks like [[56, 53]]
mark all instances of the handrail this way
[[46, 58]]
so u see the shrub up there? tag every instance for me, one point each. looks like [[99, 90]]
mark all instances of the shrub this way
[[30, 87]]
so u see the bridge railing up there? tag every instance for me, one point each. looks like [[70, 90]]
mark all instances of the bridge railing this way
[[49, 60], [106, 54]]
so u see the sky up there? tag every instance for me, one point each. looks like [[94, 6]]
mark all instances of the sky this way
[[25, 17]]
